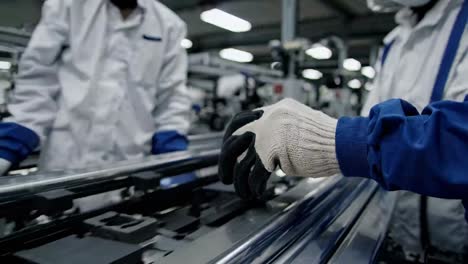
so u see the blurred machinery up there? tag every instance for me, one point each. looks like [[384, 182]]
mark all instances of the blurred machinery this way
[[12, 45], [222, 88]]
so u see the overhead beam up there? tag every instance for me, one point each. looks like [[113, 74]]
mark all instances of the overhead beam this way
[[180, 6], [339, 8]]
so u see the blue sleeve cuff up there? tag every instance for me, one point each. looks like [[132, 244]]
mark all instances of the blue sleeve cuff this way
[[168, 141], [351, 146], [16, 142]]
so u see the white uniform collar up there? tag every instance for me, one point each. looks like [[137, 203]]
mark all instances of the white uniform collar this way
[[135, 18]]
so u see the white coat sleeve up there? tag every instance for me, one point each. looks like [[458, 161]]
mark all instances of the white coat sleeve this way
[[173, 100], [33, 102]]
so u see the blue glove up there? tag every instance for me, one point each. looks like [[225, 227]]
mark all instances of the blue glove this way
[[168, 141], [16, 142]]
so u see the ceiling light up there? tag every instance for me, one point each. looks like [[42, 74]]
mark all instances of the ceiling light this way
[[355, 84], [319, 52], [368, 71], [186, 43], [225, 20], [312, 74], [5, 65], [236, 55], [352, 64]]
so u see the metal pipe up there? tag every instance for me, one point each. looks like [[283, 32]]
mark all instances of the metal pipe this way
[[206, 62], [194, 139], [289, 20], [10, 186], [342, 51], [14, 36]]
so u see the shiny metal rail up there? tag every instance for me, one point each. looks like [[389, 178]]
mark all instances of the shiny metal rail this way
[[317, 245], [365, 239], [196, 143], [14, 36], [305, 222], [249, 229], [11, 186], [198, 139], [205, 141], [274, 238]]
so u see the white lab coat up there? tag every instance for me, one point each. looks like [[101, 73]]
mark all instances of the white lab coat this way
[[409, 73], [96, 88]]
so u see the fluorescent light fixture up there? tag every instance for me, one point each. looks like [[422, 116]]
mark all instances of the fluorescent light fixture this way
[[312, 74], [355, 84], [319, 52], [5, 65], [225, 20], [236, 55], [368, 71], [352, 64], [186, 43]]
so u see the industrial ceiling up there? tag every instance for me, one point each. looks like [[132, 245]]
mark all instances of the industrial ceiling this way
[[350, 19]]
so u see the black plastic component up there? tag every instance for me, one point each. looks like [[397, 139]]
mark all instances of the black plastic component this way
[[74, 250], [122, 227], [179, 221], [54, 202], [146, 180], [215, 217]]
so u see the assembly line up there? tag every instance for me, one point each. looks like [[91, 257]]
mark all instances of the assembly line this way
[[145, 131]]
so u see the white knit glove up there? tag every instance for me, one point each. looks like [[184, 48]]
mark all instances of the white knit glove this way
[[4, 166], [288, 135]]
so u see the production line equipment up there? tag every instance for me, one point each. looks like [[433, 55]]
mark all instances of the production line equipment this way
[[151, 220]]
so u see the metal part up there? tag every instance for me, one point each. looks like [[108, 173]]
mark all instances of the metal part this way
[[312, 214], [205, 141], [305, 225], [244, 231], [14, 36], [364, 240], [342, 51], [70, 250], [318, 247], [289, 20], [207, 64], [11, 186], [257, 228]]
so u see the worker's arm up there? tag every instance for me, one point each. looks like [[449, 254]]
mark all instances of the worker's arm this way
[[173, 101], [33, 107], [403, 150]]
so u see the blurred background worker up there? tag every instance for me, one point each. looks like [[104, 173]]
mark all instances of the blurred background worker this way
[[100, 81], [424, 60]]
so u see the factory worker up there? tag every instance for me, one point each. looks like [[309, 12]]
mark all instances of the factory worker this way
[[424, 60], [396, 146], [100, 81]]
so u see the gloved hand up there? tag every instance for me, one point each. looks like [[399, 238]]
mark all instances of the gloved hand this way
[[288, 135], [4, 166]]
